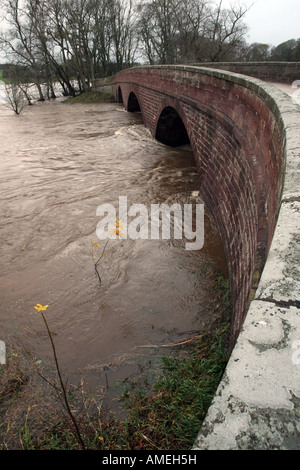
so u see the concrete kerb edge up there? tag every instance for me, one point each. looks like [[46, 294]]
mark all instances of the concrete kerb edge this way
[[257, 402], [2, 353]]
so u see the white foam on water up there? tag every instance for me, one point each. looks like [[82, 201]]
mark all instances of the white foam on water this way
[[2, 93]]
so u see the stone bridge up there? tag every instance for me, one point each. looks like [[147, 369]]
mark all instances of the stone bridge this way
[[245, 136]]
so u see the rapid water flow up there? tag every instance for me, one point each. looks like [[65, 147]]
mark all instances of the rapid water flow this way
[[58, 163]]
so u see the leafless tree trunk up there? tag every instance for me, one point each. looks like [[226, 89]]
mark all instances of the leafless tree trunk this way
[[67, 40], [15, 97], [20, 41], [226, 29], [123, 38]]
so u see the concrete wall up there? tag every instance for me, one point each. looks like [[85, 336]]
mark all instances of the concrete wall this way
[[246, 140], [285, 72]]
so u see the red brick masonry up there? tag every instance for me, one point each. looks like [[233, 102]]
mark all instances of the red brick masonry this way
[[238, 139]]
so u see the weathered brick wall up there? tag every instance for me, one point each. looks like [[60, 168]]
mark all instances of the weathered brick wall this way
[[238, 141]]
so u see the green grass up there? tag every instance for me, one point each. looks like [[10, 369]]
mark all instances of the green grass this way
[[164, 416], [5, 80], [168, 418], [172, 416], [91, 97]]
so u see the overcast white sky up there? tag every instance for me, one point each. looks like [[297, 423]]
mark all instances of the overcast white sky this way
[[271, 21]]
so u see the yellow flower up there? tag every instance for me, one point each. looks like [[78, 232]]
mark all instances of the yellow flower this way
[[119, 224], [116, 231], [41, 308], [100, 438]]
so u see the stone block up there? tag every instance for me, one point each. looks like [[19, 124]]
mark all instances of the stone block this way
[[2, 353], [257, 403]]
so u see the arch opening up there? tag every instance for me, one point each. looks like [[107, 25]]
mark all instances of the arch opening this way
[[170, 129], [133, 104], [120, 96]]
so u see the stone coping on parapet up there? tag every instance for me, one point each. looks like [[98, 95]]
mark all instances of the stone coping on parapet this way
[[273, 96], [284, 72], [257, 404]]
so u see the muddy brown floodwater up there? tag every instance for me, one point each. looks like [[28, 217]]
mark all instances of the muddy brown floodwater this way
[[59, 162]]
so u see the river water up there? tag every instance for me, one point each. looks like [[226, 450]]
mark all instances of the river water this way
[[59, 162]]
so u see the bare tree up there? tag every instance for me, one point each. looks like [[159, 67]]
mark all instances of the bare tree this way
[[258, 52], [122, 18], [79, 40], [193, 30], [20, 77], [226, 29], [60, 54], [36, 11], [20, 41], [158, 29], [192, 17], [15, 97]]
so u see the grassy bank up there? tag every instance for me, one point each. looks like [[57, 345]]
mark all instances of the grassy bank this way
[[5, 80], [166, 416], [170, 418], [91, 97]]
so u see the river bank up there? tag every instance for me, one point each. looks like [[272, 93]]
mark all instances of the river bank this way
[[163, 415], [59, 163]]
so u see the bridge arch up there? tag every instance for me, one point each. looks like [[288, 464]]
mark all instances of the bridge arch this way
[[170, 129], [245, 137], [120, 97], [239, 154], [133, 104]]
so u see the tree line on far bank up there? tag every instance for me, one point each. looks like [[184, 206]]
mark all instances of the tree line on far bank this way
[[74, 42]]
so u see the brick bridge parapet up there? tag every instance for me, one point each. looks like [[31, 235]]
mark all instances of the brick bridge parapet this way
[[285, 72], [245, 135]]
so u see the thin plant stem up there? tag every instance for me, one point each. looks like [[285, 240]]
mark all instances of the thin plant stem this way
[[99, 259], [63, 386]]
